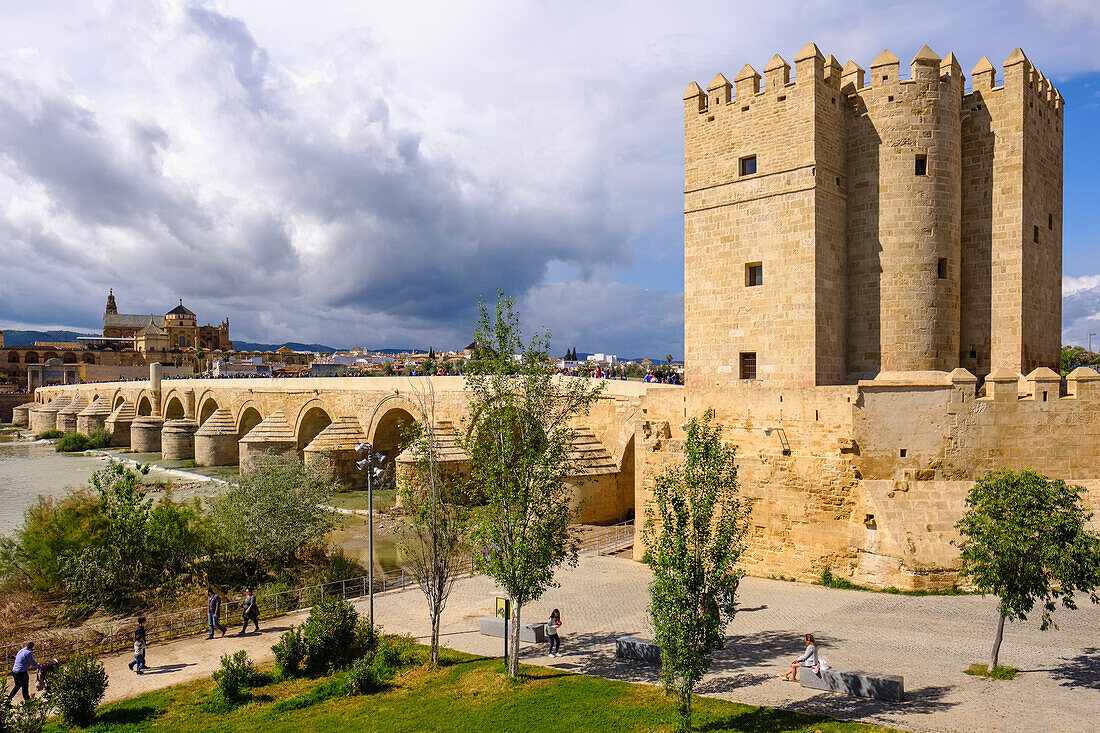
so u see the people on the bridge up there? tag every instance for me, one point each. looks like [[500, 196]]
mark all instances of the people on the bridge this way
[[250, 611], [552, 627], [808, 659], [213, 607], [139, 647], [21, 670]]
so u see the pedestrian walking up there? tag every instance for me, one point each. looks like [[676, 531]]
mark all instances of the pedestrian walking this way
[[139, 647], [20, 671], [250, 611], [213, 607], [552, 627]]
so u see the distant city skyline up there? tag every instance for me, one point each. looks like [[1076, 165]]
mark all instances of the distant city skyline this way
[[361, 173]]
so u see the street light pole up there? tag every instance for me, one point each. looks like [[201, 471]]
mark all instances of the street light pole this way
[[370, 529], [1090, 341]]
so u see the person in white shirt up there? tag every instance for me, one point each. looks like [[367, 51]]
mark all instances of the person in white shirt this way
[[808, 659]]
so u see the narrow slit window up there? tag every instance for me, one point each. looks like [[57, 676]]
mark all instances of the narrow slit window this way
[[901, 453], [1050, 222], [920, 167], [748, 165], [1035, 234], [748, 365], [941, 268], [754, 274]]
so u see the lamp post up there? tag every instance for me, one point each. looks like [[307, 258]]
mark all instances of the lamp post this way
[[367, 464], [1090, 341]]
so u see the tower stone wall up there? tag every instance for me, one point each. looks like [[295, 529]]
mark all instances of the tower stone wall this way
[[892, 221]]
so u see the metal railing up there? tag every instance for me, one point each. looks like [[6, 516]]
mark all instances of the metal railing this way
[[608, 540], [113, 636]]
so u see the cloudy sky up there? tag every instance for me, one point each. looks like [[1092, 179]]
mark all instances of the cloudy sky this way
[[361, 171]]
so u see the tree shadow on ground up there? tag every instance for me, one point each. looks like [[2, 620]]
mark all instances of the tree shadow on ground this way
[[167, 668], [763, 720], [1080, 671]]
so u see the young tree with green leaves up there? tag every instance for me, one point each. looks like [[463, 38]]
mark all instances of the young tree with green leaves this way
[[434, 538], [1024, 541], [695, 532], [518, 439], [272, 513]]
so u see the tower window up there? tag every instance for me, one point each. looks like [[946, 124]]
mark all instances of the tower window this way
[[941, 268], [754, 274], [920, 167], [748, 365], [1035, 234], [1050, 222], [748, 165]]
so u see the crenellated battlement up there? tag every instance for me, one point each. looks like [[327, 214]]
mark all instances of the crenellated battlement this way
[[811, 66]]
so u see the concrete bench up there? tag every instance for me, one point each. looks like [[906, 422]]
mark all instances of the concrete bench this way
[[635, 647], [494, 626], [854, 682]]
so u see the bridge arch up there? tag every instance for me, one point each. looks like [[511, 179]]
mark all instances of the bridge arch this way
[[314, 417], [247, 418], [117, 400], [207, 405], [145, 404], [173, 409]]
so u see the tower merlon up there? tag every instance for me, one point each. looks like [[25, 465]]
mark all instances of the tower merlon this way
[[777, 73], [695, 99], [884, 69], [851, 79], [720, 90], [809, 63], [984, 74], [833, 72], [747, 81], [926, 64]]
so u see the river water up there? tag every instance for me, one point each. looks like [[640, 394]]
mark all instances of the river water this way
[[29, 469]]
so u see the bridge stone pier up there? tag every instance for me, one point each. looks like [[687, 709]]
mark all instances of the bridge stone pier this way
[[226, 422]]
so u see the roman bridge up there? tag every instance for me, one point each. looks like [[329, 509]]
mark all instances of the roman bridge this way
[[225, 422]]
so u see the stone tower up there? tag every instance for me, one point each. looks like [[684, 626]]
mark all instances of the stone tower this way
[[111, 306], [836, 229]]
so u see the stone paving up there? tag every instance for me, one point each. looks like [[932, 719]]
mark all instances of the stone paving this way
[[929, 640]]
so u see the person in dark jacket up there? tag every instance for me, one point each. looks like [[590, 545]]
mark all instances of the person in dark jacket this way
[[250, 611], [213, 607]]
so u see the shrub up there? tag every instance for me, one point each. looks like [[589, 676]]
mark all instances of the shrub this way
[[236, 676], [29, 717], [328, 635], [362, 678], [50, 434], [99, 438], [72, 442], [289, 652], [77, 688]]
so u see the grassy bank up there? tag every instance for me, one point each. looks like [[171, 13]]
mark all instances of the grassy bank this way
[[467, 694]]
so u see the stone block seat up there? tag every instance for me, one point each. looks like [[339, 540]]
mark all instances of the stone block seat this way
[[494, 626], [854, 682], [635, 647]]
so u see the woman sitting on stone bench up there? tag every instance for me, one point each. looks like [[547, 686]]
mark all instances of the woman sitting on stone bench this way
[[808, 659]]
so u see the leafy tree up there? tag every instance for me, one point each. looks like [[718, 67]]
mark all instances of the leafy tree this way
[[695, 536], [1075, 356], [1024, 541], [434, 539], [519, 431], [273, 512], [52, 530]]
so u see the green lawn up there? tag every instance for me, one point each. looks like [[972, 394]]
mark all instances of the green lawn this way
[[467, 694]]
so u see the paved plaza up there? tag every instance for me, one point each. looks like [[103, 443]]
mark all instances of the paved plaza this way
[[929, 640]]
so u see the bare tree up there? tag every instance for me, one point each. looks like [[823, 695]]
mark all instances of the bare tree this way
[[434, 539]]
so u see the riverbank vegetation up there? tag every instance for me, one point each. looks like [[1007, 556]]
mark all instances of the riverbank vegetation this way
[[114, 549]]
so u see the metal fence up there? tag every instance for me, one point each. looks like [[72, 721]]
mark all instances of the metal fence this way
[[608, 540], [113, 636]]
